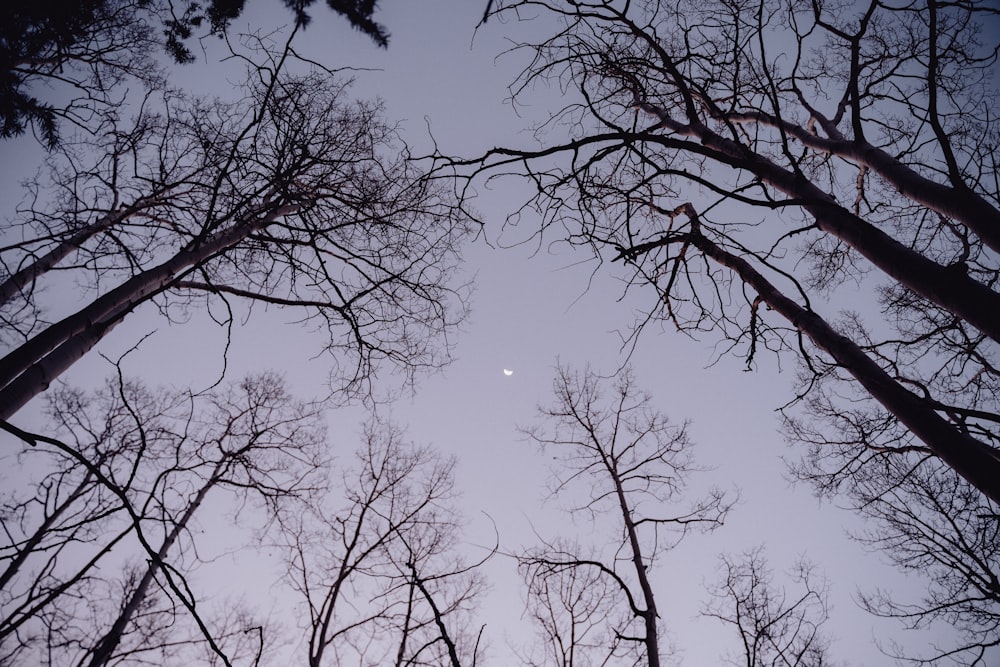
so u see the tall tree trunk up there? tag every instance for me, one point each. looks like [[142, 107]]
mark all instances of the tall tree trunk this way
[[952, 290], [438, 618], [976, 461], [31, 272], [29, 369], [954, 201], [649, 614], [104, 649]]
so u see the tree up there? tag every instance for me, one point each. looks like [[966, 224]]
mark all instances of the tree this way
[[292, 197], [375, 561], [628, 462], [83, 50], [926, 520], [747, 160], [87, 50], [359, 13], [775, 629], [572, 609], [99, 553], [107, 546]]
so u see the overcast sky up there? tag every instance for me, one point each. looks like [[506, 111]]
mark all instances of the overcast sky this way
[[533, 304]]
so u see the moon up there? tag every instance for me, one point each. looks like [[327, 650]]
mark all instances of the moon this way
[[507, 372]]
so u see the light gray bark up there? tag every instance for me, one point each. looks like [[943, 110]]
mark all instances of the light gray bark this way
[[952, 290], [30, 368], [16, 283], [976, 461], [961, 204]]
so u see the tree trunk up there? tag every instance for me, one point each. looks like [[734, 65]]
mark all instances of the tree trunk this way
[[105, 647], [952, 290], [961, 204], [16, 283], [976, 461], [29, 369], [649, 614]]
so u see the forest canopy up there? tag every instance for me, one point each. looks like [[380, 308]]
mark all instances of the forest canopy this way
[[267, 251]]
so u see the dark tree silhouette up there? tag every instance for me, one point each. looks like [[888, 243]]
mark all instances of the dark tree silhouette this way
[[574, 611], [122, 492], [747, 161], [292, 197], [927, 521], [84, 50], [758, 166], [101, 556], [289, 195], [776, 628], [376, 562], [627, 461], [180, 26]]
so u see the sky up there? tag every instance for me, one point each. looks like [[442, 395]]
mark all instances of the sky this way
[[533, 305]]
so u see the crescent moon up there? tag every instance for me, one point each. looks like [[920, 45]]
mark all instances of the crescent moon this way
[[508, 373]]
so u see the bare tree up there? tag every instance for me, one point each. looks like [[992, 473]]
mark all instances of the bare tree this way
[[128, 481], [776, 628], [574, 610], [746, 160], [927, 521], [376, 562], [626, 460], [292, 197]]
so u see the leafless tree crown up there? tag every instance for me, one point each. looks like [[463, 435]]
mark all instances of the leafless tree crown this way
[[812, 179], [744, 160], [618, 460], [293, 197]]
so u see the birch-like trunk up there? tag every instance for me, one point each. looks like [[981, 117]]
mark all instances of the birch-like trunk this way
[[32, 271], [962, 204], [28, 370], [976, 461], [954, 291], [104, 649]]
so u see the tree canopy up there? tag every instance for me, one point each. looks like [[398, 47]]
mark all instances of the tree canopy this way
[[85, 47], [817, 181], [808, 182], [747, 162]]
